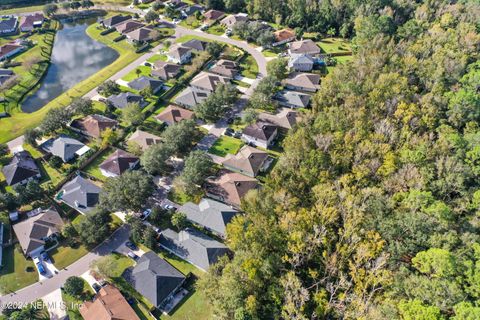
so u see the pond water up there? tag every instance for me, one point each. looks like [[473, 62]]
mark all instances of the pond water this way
[[75, 57]]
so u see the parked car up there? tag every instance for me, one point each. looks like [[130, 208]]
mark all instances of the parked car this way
[[228, 33], [44, 256], [96, 287], [39, 265], [130, 245], [132, 255], [146, 213], [230, 120], [176, 21], [237, 134], [204, 27], [102, 283], [168, 207]]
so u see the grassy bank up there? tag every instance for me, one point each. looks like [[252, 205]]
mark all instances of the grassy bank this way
[[16, 125]]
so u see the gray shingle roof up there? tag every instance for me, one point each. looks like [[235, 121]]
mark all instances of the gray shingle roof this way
[[21, 168], [63, 147], [294, 98], [31, 232], [121, 100], [8, 23], [210, 214], [144, 82], [190, 98], [81, 194], [193, 246], [196, 44], [119, 162], [115, 20], [155, 278]]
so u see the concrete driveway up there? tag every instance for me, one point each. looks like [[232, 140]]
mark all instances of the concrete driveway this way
[[54, 306]]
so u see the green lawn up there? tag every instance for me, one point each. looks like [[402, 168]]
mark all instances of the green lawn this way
[[225, 145], [216, 29], [64, 255], [50, 176], [334, 45], [94, 167], [343, 59], [269, 53], [189, 37], [19, 121], [13, 275], [249, 67], [132, 75], [157, 57], [191, 22]]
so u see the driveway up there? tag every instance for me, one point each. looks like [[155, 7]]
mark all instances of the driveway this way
[[54, 306], [45, 287]]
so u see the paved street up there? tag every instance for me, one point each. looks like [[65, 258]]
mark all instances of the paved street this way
[[43, 288]]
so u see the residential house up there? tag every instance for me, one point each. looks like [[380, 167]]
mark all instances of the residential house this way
[[144, 139], [304, 47], [191, 10], [283, 36], [213, 15], [209, 214], [285, 119], [108, 304], [189, 98], [9, 50], [292, 99], [114, 20], [146, 83], [165, 70], [8, 25], [232, 19], [93, 125], [121, 100], [261, 134], [80, 194], [248, 161], [65, 148], [118, 162], [173, 114], [193, 246], [128, 26], [155, 279], [207, 82], [225, 68], [32, 21], [140, 35], [21, 169], [33, 232], [230, 187], [179, 54], [301, 62], [300, 81], [5, 75], [195, 44]]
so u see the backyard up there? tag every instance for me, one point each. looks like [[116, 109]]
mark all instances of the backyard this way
[[249, 67], [334, 45], [225, 145]]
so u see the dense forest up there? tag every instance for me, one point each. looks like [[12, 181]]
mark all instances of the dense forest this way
[[373, 211]]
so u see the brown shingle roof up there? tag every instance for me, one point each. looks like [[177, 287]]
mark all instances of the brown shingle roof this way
[[207, 81], [225, 68], [231, 187], [173, 114], [94, 124], [165, 70], [213, 14], [119, 162], [260, 130], [284, 34], [304, 80], [109, 304], [144, 139], [248, 160]]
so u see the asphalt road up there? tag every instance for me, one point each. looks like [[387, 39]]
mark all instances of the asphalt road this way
[[42, 288]]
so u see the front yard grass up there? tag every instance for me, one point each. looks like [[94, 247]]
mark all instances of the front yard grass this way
[[189, 37], [157, 57], [14, 274], [132, 75], [249, 67], [191, 22], [225, 145], [64, 255], [216, 29]]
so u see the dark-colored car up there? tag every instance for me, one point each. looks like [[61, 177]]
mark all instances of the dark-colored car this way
[[96, 287], [230, 120], [44, 256], [133, 256], [41, 268], [130, 245]]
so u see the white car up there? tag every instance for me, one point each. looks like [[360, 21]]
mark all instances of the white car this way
[[176, 21], [146, 214]]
